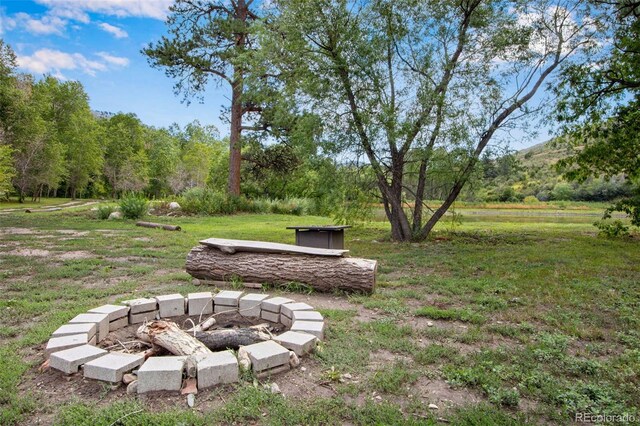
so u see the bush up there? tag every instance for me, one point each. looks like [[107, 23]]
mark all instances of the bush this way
[[530, 199], [103, 212], [207, 201], [612, 229], [133, 206], [563, 192]]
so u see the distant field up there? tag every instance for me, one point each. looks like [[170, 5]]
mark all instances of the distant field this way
[[561, 212]]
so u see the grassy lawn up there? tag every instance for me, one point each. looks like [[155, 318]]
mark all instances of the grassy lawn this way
[[498, 320], [44, 202]]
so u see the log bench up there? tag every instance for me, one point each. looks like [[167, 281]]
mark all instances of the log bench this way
[[324, 270]]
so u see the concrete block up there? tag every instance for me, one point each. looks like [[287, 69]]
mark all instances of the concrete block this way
[[200, 303], [312, 327], [300, 343], [288, 308], [119, 323], [227, 298], [100, 320], [217, 368], [170, 305], [222, 308], [306, 316], [250, 304], [56, 344], [142, 317], [273, 304], [114, 311], [160, 373], [267, 355], [69, 360], [141, 305], [266, 374], [71, 329], [285, 321], [112, 366], [270, 316]]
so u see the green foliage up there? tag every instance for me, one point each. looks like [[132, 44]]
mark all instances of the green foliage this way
[[612, 229], [599, 107], [7, 171], [210, 202], [133, 206], [104, 211]]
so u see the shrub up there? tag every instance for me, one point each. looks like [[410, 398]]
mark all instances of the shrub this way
[[612, 229], [530, 199], [104, 211], [133, 206], [207, 201], [202, 201]]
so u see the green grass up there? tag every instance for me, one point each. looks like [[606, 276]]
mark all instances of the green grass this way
[[538, 317], [44, 202]]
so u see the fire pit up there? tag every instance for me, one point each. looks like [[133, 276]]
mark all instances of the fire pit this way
[[171, 342]]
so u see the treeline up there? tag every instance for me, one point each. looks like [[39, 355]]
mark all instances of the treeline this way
[[52, 144]]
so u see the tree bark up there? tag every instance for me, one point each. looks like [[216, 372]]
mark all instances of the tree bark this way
[[235, 142], [241, 12], [322, 273], [232, 338], [168, 335]]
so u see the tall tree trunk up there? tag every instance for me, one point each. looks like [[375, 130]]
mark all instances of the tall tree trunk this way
[[235, 142], [235, 138]]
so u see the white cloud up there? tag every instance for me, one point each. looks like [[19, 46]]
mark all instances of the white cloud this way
[[156, 9], [117, 32], [55, 61], [72, 14], [46, 25], [114, 60]]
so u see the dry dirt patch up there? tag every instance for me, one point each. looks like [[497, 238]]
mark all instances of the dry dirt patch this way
[[30, 252], [77, 254], [17, 231], [72, 232]]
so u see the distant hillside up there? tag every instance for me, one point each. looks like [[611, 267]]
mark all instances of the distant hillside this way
[[542, 154], [531, 173]]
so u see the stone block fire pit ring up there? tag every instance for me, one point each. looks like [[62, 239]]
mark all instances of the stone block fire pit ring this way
[[75, 345]]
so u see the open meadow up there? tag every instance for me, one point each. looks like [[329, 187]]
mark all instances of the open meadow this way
[[496, 319]]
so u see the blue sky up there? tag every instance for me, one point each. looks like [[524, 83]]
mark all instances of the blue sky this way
[[98, 43]]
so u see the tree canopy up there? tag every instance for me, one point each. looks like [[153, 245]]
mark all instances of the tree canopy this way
[[600, 105]]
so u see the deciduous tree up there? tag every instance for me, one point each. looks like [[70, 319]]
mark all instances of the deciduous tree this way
[[396, 80]]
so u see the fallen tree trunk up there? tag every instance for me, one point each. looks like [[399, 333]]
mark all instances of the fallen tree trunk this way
[[322, 273], [159, 225]]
